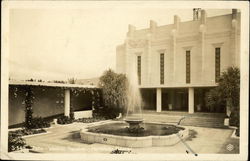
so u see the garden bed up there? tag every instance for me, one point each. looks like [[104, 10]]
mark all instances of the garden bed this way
[[25, 132], [16, 139]]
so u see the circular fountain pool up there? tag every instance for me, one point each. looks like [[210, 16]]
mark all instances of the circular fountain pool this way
[[117, 133]]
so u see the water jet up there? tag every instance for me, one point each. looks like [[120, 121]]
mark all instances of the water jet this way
[[134, 131]]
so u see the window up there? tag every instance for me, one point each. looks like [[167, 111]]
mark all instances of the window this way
[[188, 66], [217, 64], [162, 68], [139, 69]]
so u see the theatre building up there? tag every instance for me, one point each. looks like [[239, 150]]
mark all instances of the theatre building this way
[[178, 63]]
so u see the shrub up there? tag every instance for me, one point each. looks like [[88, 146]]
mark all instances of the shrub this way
[[228, 90], [234, 119], [39, 122], [64, 120], [71, 114], [114, 90], [26, 131], [237, 133], [15, 141], [107, 112]]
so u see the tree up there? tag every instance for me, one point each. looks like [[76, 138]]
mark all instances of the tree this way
[[114, 87], [229, 86], [72, 80], [213, 99], [228, 90]]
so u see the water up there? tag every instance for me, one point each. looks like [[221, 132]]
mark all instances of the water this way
[[150, 129], [134, 108]]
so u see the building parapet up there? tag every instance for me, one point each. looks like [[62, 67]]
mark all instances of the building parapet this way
[[25, 83]]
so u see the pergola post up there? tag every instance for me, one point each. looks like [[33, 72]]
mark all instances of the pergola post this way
[[67, 102], [158, 100], [191, 100]]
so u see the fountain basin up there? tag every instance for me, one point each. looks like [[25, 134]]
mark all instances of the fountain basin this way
[[134, 123], [133, 141]]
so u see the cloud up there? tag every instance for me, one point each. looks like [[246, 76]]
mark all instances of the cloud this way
[[51, 43]]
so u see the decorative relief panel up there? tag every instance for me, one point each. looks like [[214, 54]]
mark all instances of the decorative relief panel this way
[[137, 43], [160, 42]]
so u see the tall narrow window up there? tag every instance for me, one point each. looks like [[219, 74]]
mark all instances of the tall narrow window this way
[[139, 69], [162, 68], [188, 66], [217, 64]]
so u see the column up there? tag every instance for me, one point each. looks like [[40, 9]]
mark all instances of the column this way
[[202, 57], [158, 100], [190, 100], [174, 34], [67, 102], [233, 37], [173, 55], [228, 107], [147, 66]]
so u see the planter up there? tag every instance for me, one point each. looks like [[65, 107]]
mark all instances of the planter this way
[[198, 107], [54, 121], [170, 107], [226, 121], [83, 114]]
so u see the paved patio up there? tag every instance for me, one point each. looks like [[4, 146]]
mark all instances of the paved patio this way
[[66, 138]]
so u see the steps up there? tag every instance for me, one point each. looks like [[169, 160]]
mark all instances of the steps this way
[[189, 120], [204, 122]]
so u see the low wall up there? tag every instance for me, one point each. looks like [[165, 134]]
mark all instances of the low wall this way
[[83, 114]]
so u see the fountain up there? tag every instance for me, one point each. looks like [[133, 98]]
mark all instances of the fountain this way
[[139, 133], [134, 112]]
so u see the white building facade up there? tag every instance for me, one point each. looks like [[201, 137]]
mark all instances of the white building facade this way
[[178, 63]]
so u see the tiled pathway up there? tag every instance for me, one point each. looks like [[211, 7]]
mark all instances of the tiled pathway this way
[[66, 138]]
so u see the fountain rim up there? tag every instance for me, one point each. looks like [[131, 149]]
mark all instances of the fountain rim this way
[[133, 120], [144, 140]]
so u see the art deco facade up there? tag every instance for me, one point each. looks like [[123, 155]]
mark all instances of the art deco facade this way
[[178, 63]]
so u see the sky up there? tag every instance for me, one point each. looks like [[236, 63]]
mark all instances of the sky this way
[[57, 44]]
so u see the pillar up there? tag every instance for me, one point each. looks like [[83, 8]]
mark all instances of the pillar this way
[[67, 102], [190, 100], [176, 22], [153, 26], [173, 55], [203, 17], [158, 100], [148, 66], [202, 60], [174, 33], [131, 30], [233, 37]]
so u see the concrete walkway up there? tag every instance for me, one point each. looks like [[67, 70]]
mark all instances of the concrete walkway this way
[[66, 138]]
